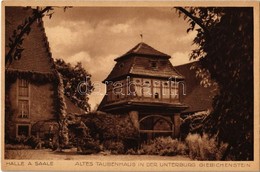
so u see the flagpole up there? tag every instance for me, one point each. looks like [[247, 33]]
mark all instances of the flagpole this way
[[141, 35]]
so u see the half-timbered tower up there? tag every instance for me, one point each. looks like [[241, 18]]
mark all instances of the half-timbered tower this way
[[144, 85]]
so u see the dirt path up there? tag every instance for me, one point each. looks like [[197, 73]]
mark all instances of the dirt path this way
[[47, 154]]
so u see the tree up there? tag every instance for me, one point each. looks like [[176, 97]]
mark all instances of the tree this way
[[77, 83], [225, 52]]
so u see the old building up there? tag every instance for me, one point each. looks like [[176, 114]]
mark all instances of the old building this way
[[144, 85], [197, 97], [33, 92]]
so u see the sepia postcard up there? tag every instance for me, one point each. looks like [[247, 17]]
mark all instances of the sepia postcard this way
[[130, 85]]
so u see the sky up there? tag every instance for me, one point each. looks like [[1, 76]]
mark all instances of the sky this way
[[95, 36]]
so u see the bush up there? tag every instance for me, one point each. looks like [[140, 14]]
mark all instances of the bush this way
[[80, 137], [164, 146], [105, 126], [20, 140], [115, 132], [16, 147], [204, 148], [32, 141], [23, 142], [89, 146], [131, 152], [115, 146], [193, 124]]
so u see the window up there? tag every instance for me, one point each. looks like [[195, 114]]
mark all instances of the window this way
[[23, 106], [156, 83], [121, 65], [23, 98], [23, 88], [166, 84], [137, 87], [118, 84], [174, 91], [154, 65], [166, 90], [147, 88], [147, 82], [156, 95], [23, 130], [118, 90], [137, 81]]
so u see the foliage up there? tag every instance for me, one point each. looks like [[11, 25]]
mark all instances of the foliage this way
[[80, 136], [16, 147], [69, 79], [32, 76], [115, 132], [89, 146], [164, 146], [23, 142], [105, 126], [204, 148], [20, 140], [72, 77], [131, 151], [33, 141], [225, 52], [115, 146], [193, 123], [60, 106]]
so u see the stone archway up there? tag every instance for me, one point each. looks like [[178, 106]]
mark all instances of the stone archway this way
[[152, 126]]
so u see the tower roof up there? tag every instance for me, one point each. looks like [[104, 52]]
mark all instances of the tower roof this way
[[144, 49], [139, 62]]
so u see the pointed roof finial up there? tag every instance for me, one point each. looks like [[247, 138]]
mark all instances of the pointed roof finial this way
[[141, 35]]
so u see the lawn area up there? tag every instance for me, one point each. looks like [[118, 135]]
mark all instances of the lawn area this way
[[71, 154]]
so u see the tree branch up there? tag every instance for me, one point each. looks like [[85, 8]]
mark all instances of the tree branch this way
[[195, 19], [22, 33]]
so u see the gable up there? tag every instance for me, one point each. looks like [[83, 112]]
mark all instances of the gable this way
[[36, 56]]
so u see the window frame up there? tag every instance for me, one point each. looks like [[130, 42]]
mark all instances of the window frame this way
[[154, 64], [17, 129], [22, 97], [23, 109]]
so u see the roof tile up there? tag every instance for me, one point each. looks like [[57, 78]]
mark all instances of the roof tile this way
[[197, 97], [137, 61], [36, 56], [143, 49]]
